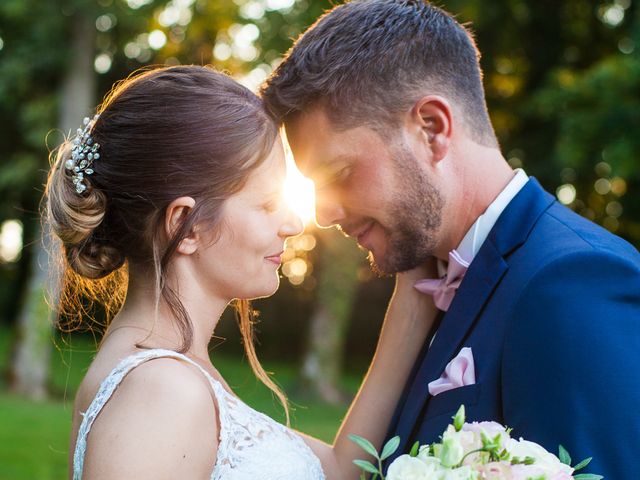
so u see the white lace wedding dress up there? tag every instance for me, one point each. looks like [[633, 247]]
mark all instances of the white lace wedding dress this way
[[252, 445]]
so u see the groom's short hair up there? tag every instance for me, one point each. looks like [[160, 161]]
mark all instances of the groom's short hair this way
[[367, 61]]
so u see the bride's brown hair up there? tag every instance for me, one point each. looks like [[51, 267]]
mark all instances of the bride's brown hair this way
[[163, 134]]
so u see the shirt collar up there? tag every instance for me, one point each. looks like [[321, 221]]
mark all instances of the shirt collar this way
[[477, 234]]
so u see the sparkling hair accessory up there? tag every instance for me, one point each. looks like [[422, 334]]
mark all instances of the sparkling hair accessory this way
[[83, 152]]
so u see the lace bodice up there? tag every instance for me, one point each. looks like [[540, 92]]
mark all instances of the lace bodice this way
[[251, 446]]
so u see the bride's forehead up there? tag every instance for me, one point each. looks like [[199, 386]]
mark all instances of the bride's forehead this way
[[267, 176]]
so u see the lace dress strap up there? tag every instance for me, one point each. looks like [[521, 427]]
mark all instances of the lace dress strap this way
[[111, 382]]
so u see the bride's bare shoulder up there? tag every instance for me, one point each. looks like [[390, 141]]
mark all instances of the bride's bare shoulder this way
[[160, 419]]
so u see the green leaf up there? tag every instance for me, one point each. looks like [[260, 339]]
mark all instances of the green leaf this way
[[459, 418], [564, 456], [583, 464], [390, 447], [366, 466], [486, 441], [364, 444], [415, 449], [587, 476]]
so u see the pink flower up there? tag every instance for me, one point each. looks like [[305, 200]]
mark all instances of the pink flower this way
[[495, 471], [561, 476], [525, 472], [491, 429]]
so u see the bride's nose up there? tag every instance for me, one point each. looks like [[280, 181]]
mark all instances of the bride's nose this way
[[292, 225]]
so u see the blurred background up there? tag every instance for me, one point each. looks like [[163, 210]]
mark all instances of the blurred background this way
[[563, 86]]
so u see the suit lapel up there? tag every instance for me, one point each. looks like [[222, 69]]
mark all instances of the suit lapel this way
[[484, 274], [481, 278]]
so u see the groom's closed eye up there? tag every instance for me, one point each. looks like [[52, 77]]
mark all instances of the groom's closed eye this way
[[333, 178]]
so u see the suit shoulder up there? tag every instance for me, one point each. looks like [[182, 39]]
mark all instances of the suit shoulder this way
[[562, 234], [592, 234]]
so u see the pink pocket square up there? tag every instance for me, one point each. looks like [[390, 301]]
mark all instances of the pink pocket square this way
[[459, 372]]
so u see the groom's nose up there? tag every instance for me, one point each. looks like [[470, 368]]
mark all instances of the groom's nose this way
[[329, 210]]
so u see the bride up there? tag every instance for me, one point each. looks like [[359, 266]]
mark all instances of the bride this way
[[168, 207]]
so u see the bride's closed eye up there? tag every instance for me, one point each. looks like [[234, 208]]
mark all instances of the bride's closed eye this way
[[270, 207], [272, 204]]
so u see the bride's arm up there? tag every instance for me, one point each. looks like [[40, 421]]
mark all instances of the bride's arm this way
[[408, 320]]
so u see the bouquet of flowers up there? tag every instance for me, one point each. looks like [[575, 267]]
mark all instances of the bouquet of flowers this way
[[472, 451]]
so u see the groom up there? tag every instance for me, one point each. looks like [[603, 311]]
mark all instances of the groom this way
[[384, 108]]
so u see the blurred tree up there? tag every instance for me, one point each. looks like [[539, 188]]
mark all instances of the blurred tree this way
[[28, 104], [335, 293], [561, 81], [594, 113], [29, 369]]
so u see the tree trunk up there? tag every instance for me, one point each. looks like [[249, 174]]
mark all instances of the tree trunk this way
[[32, 353], [337, 284]]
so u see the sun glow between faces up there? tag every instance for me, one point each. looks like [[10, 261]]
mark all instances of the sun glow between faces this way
[[299, 193]]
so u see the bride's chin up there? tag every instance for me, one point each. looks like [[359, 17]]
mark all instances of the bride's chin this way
[[265, 292]]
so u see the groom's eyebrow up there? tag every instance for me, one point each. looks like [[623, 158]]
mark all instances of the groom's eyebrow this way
[[326, 169]]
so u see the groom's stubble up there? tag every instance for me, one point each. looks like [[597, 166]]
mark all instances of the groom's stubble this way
[[415, 213]]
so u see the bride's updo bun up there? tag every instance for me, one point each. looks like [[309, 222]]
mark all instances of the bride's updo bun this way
[[76, 219]]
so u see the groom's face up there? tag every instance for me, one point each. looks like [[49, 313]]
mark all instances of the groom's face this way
[[374, 189]]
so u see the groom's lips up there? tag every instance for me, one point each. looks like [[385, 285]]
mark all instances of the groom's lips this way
[[361, 236]]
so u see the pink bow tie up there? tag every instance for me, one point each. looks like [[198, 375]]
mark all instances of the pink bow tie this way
[[444, 289]]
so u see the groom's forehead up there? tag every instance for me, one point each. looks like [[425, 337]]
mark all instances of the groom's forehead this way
[[320, 149], [312, 143]]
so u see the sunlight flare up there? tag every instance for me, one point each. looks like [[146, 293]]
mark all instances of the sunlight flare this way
[[299, 191]]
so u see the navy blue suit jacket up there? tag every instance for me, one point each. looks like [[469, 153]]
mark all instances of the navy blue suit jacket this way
[[550, 307]]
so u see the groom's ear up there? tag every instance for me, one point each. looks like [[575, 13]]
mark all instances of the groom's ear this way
[[432, 117]]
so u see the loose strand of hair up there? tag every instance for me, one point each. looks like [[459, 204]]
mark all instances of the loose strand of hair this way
[[244, 315]]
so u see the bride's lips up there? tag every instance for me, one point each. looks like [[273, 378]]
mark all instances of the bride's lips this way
[[275, 259]]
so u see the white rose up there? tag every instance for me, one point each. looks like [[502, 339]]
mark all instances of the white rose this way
[[406, 467], [455, 445], [545, 461], [490, 429], [461, 473], [423, 454], [469, 439]]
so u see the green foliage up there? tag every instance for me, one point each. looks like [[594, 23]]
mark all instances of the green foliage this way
[[364, 444], [390, 448], [459, 418], [564, 456], [415, 449]]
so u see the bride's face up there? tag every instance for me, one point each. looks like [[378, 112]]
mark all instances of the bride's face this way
[[244, 258]]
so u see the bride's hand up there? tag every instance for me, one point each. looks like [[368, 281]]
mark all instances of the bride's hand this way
[[406, 280]]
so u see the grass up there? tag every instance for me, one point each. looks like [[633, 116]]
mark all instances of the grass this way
[[34, 436]]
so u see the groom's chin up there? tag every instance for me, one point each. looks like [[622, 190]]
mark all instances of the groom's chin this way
[[380, 269], [396, 261]]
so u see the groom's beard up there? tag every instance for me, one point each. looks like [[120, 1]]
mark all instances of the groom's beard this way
[[415, 215]]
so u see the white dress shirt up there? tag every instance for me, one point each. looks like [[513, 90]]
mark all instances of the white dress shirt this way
[[479, 231]]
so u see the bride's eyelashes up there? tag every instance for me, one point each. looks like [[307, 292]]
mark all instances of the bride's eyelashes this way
[[273, 203], [270, 206]]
